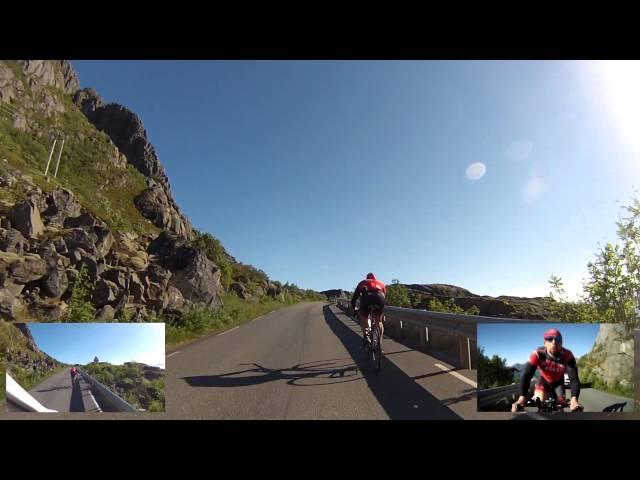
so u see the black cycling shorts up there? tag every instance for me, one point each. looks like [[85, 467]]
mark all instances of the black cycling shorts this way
[[555, 389], [372, 298]]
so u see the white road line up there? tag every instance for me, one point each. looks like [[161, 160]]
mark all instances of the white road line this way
[[94, 401], [256, 318], [172, 354], [457, 375], [228, 331]]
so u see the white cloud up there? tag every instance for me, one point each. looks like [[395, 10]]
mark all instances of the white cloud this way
[[533, 188], [476, 171], [520, 150]]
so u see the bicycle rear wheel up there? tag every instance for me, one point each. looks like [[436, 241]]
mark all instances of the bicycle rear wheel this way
[[376, 348]]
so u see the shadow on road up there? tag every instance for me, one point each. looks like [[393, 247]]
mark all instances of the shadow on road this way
[[468, 394], [77, 405], [398, 394], [54, 388], [257, 375]]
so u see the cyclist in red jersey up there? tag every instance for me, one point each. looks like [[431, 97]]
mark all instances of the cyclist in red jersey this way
[[73, 371], [371, 291], [554, 361]]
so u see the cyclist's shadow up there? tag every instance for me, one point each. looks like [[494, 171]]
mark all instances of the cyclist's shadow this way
[[293, 375], [616, 407], [76, 404]]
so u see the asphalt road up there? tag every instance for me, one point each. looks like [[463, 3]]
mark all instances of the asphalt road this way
[[59, 394], [306, 362]]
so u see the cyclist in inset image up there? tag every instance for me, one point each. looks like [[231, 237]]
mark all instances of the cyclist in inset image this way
[[554, 361], [73, 371]]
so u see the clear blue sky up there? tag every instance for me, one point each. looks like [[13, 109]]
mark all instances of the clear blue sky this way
[[115, 343], [320, 171], [516, 342]]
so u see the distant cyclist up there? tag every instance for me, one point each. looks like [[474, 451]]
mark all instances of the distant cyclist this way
[[73, 371], [370, 291], [553, 360]]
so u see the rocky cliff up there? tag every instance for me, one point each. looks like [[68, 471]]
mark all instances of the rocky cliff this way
[[611, 359], [87, 217]]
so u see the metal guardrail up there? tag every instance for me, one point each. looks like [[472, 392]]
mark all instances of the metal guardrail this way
[[450, 335], [22, 399], [106, 398], [492, 396]]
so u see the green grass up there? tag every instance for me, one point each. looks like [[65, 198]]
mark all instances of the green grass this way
[[11, 339], [28, 379], [128, 382], [200, 322]]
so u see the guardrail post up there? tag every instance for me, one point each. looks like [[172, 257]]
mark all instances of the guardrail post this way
[[473, 353], [463, 355]]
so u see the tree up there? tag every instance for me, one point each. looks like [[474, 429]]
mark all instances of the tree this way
[[95, 360], [556, 286], [398, 296], [415, 299], [612, 292], [562, 310], [449, 306], [613, 287], [493, 372]]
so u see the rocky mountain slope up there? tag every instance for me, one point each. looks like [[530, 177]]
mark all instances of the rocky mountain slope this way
[[107, 224]]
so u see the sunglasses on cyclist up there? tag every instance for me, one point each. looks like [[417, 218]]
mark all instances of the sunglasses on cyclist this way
[[551, 339]]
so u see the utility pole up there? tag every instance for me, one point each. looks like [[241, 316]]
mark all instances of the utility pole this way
[[46, 170], [58, 162], [53, 147]]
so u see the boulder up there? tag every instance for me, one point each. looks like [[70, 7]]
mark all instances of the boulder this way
[[78, 238], [117, 275], [12, 240], [23, 269], [85, 221], [25, 217], [105, 314], [175, 300], [136, 288], [61, 204], [240, 290], [55, 283], [104, 292]]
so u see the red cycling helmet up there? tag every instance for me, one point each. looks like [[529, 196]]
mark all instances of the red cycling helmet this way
[[552, 332]]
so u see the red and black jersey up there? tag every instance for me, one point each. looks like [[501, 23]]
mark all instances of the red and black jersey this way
[[371, 286], [551, 370]]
